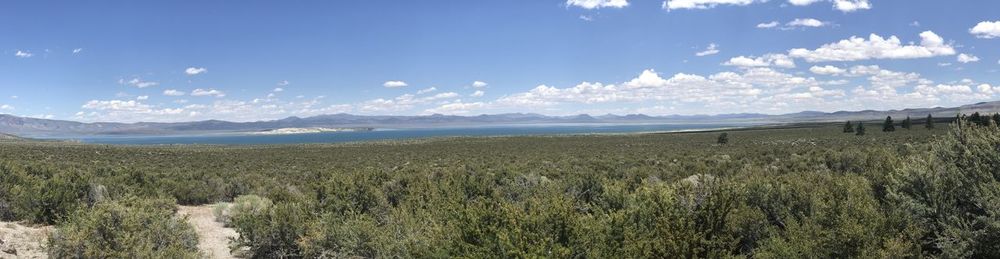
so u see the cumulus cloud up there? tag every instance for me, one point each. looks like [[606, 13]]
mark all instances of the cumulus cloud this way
[[478, 93], [806, 22], [278, 90], [137, 82], [207, 92], [986, 29], [876, 47], [403, 102], [195, 70], [725, 88], [803, 2], [793, 24], [23, 54], [776, 60], [479, 84], [851, 5], [827, 70], [172, 92], [457, 107], [841, 5], [394, 84], [6, 107], [711, 50], [704, 4], [427, 90], [142, 97], [966, 58], [595, 4], [768, 25]]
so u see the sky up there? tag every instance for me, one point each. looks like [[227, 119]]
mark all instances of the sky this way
[[166, 61]]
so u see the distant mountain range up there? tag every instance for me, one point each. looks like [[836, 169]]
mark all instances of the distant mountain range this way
[[33, 127]]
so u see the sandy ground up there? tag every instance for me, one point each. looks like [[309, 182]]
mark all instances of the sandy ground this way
[[213, 237], [18, 241]]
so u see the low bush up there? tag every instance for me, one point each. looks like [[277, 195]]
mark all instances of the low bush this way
[[128, 228], [242, 205]]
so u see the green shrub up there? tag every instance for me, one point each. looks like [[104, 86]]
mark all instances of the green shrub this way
[[953, 191], [129, 228], [44, 195], [274, 233], [242, 205]]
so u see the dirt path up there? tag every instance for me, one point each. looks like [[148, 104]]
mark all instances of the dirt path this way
[[19, 241], [213, 237]]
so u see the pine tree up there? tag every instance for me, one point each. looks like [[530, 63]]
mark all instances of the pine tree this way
[[929, 124], [996, 119], [975, 118], [861, 129], [906, 123], [723, 138], [887, 125], [848, 128]]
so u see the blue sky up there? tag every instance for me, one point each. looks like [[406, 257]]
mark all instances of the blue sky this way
[[254, 60]]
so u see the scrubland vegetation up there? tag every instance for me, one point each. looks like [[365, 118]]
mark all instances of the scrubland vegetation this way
[[812, 192]]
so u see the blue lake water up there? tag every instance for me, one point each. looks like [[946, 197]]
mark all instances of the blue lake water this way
[[394, 134]]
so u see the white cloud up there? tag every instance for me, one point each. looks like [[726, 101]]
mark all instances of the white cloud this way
[[283, 83], [989, 90], [965, 58], [142, 97], [986, 29], [137, 82], [394, 84], [594, 4], [876, 47], [711, 50], [172, 92], [827, 70], [208, 92], [457, 107], [195, 70], [6, 107], [587, 18], [403, 102], [842, 5], [23, 54], [278, 90], [703, 4], [806, 22], [479, 84], [478, 93], [77, 50], [427, 90], [802, 2], [768, 25], [777, 60], [851, 5]]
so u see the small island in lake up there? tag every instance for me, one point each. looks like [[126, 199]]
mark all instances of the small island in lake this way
[[286, 131]]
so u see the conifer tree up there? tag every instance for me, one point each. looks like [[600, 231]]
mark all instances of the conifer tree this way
[[906, 123], [975, 118], [929, 124], [996, 119], [861, 129], [723, 138], [887, 125], [848, 128]]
